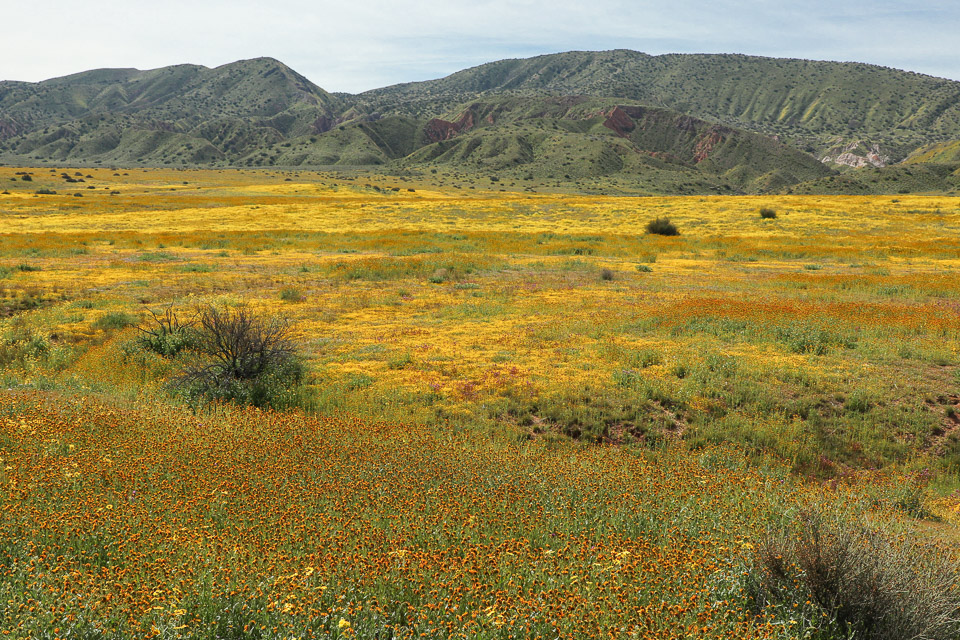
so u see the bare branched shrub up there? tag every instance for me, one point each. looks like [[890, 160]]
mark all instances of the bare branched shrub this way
[[166, 333], [868, 584], [242, 356]]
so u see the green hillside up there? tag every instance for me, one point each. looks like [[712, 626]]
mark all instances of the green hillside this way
[[261, 88], [180, 114], [580, 138], [941, 152], [808, 102], [896, 179], [355, 144], [570, 140], [588, 120]]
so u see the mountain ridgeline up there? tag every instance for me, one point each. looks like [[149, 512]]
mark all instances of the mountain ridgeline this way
[[617, 120]]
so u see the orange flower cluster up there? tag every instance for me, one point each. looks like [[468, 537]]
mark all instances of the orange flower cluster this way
[[153, 522]]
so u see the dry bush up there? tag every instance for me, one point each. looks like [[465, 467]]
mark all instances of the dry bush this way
[[868, 584], [166, 333], [242, 356]]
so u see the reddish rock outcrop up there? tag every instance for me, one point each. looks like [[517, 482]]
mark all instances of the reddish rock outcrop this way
[[706, 143], [620, 122], [8, 129], [437, 129], [323, 124]]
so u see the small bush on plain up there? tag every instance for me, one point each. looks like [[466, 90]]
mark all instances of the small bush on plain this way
[[114, 320], [291, 294], [662, 227], [22, 345]]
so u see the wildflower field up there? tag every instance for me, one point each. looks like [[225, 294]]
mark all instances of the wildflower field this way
[[522, 415]]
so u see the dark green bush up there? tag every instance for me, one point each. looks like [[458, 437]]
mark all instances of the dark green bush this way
[[768, 214], [114, 320], [662, 227]]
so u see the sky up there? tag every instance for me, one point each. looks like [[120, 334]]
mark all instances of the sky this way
[[352, 46]]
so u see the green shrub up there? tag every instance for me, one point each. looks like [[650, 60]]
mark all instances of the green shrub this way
[[606, 274], [198, 268], [401, 361], [22, 345], [768, 214], [440, 276], [157, 256], [291, 294], [114, 320], [858, 402], [662, 227]]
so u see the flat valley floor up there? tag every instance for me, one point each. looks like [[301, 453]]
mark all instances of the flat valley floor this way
[[523, 416]]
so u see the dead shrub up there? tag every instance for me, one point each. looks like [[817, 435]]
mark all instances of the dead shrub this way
[[242, 356], [167, 333], [866, 583]]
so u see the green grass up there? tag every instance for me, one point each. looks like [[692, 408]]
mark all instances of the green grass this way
[[114, 320]]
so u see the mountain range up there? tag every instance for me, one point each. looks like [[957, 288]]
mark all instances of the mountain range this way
[[616, 120]]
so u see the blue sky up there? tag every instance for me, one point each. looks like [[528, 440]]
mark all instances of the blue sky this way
[[359, 45]]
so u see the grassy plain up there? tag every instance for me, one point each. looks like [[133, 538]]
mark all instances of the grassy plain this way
[[526, 416]]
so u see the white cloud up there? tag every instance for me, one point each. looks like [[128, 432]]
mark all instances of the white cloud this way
[[353, 46]]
